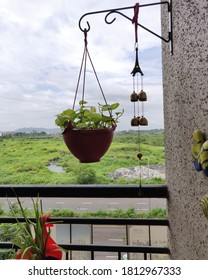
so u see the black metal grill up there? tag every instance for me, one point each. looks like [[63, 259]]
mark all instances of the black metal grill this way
[[104, 191]]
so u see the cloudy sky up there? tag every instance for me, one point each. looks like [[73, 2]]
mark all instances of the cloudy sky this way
[[40, 56]]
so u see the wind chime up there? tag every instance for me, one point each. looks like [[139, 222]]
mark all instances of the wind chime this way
[[138, 98]]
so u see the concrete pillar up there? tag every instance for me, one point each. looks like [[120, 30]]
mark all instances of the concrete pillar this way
[[185, 87]]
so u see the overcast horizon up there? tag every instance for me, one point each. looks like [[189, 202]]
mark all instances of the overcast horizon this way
[[41, 52]]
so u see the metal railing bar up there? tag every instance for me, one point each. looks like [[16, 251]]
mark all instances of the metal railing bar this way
[[95, 221], [93, 191], [116, 248], [104, 248]]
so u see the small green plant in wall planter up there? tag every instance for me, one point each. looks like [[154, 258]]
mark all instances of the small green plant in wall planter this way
[[88, 131]]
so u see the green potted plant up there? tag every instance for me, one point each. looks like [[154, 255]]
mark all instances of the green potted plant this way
[[34, 238], [88, 132]]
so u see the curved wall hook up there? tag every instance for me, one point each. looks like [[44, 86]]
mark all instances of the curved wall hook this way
[[84, 29], [106, 18], [113, 12]]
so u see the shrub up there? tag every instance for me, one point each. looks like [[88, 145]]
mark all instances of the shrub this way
[[6, 254], [63, 213], [85, 176]]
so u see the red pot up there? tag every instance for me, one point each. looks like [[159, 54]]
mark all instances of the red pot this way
[[88, 145]]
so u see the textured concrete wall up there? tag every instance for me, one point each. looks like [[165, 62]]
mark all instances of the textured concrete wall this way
[[185, 79]]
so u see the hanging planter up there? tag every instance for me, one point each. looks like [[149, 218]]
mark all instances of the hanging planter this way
[[88, 131], [88, 145]]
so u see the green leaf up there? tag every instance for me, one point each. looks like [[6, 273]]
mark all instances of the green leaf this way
[[82, 125], [64, 117], [82, 102], [107, 118], [68, 113], [114, 106], [96, 117], [105, 107], [92, 109], [87, 113]]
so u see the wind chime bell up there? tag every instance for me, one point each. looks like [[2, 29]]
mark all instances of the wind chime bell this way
[[134, 97], [139, 155], [142, 96], [135, 121], [143, 121]]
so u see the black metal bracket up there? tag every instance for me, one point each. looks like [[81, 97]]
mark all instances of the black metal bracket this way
[[167, 39]]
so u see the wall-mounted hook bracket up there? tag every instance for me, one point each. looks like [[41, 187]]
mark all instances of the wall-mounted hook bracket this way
[[168, 38]]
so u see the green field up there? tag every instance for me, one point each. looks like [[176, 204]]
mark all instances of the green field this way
[[24, 159]]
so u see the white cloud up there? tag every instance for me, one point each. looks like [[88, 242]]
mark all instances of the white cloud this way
[[41, 52]]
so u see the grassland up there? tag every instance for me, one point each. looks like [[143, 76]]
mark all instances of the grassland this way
[[25, 159]]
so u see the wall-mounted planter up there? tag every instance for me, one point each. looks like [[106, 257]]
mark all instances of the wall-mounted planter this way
[[199, 150]]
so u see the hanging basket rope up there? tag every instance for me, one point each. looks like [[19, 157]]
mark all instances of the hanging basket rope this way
[[83, 68]]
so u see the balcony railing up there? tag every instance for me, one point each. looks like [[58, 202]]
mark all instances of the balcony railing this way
[[128, 250]]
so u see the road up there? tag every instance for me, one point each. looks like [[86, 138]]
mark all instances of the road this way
[[91, 204]]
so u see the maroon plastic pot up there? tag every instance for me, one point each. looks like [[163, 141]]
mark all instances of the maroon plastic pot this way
[[88, 145]]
